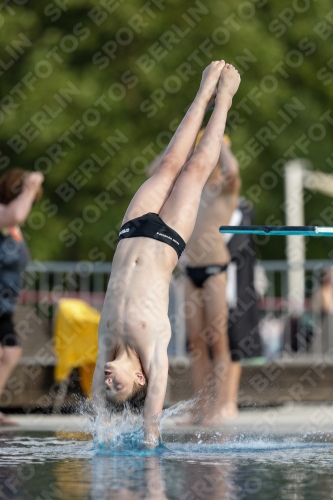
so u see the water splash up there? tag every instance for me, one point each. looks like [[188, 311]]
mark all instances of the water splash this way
[[179, 409], [123, 433]]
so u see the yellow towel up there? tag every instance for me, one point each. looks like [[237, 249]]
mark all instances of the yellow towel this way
[[75, 338]]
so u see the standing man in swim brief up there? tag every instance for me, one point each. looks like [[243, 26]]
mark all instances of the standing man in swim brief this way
[[134, 331], [207, 258]]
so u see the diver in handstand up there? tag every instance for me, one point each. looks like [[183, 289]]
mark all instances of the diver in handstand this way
[[134, 331]]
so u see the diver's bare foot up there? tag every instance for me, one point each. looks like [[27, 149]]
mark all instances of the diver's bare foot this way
[[229, 82], [230, 411], [210, 78], [6, 421]]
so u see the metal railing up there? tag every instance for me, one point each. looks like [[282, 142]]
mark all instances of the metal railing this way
[[45, 283], [308, 334], [291, 334]]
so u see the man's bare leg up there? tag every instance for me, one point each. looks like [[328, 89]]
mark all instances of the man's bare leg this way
[[230, 408], [200, 362], [9, 357], [216, 319]]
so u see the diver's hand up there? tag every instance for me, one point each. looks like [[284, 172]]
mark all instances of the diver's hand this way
[[152, 436]]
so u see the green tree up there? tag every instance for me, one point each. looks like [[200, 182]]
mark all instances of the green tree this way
[[91, 92]]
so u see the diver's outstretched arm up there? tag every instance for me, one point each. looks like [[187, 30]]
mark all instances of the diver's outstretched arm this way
[[157, 375]]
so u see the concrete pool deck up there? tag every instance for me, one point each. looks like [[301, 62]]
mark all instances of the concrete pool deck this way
[[286, 419]]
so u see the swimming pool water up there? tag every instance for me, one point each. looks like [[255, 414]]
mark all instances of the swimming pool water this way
[[52, 465]]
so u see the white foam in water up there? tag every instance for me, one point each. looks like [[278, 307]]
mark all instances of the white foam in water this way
[[123, 433], [118, 433]]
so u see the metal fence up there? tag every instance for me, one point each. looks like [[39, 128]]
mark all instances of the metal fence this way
[[283, 333], [292, 334], [45, 283]]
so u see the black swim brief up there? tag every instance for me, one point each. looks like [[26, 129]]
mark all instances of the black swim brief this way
[[198, 275], [151, 226], [8, 335]]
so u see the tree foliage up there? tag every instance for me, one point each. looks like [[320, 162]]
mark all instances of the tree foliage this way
[[91, 92]]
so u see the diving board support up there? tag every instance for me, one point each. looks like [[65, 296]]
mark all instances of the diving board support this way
[[300, 176], [295, 251]]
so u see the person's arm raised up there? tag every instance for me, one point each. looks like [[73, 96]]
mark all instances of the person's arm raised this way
[[230, 169], [16, 212], [106, 352], [98, 386]]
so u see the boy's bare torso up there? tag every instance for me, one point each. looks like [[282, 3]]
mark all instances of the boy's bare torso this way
[[206, 245], [135, 312]]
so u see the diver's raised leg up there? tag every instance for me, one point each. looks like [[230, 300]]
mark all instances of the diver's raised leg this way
[[155, 191], [181, 208]]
